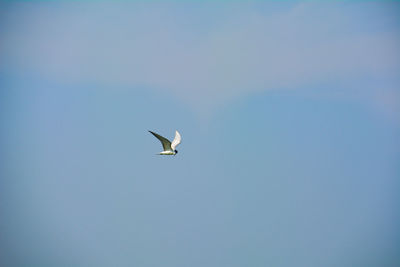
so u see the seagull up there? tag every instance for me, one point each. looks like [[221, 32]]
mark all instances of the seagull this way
[[169, 148]]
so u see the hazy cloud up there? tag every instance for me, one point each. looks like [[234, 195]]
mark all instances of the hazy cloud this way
[[237, 51]]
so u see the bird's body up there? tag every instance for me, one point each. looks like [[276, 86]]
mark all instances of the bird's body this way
[[167, 153], [169, 148]]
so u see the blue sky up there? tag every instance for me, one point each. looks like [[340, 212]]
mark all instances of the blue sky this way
[[289, 114]]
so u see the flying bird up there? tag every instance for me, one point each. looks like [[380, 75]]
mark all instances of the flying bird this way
[[169, 148]]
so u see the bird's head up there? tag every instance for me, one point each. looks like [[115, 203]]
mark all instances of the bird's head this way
[[176, 151]]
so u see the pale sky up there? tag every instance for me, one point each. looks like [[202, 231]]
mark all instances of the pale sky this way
[[290, 121]]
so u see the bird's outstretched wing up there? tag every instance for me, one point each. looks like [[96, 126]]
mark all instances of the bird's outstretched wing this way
[[164, 141], [176, 141]]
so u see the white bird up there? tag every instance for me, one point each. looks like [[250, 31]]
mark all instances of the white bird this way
[[169, 148]]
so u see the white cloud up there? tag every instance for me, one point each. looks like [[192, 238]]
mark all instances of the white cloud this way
[[240, 51]]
